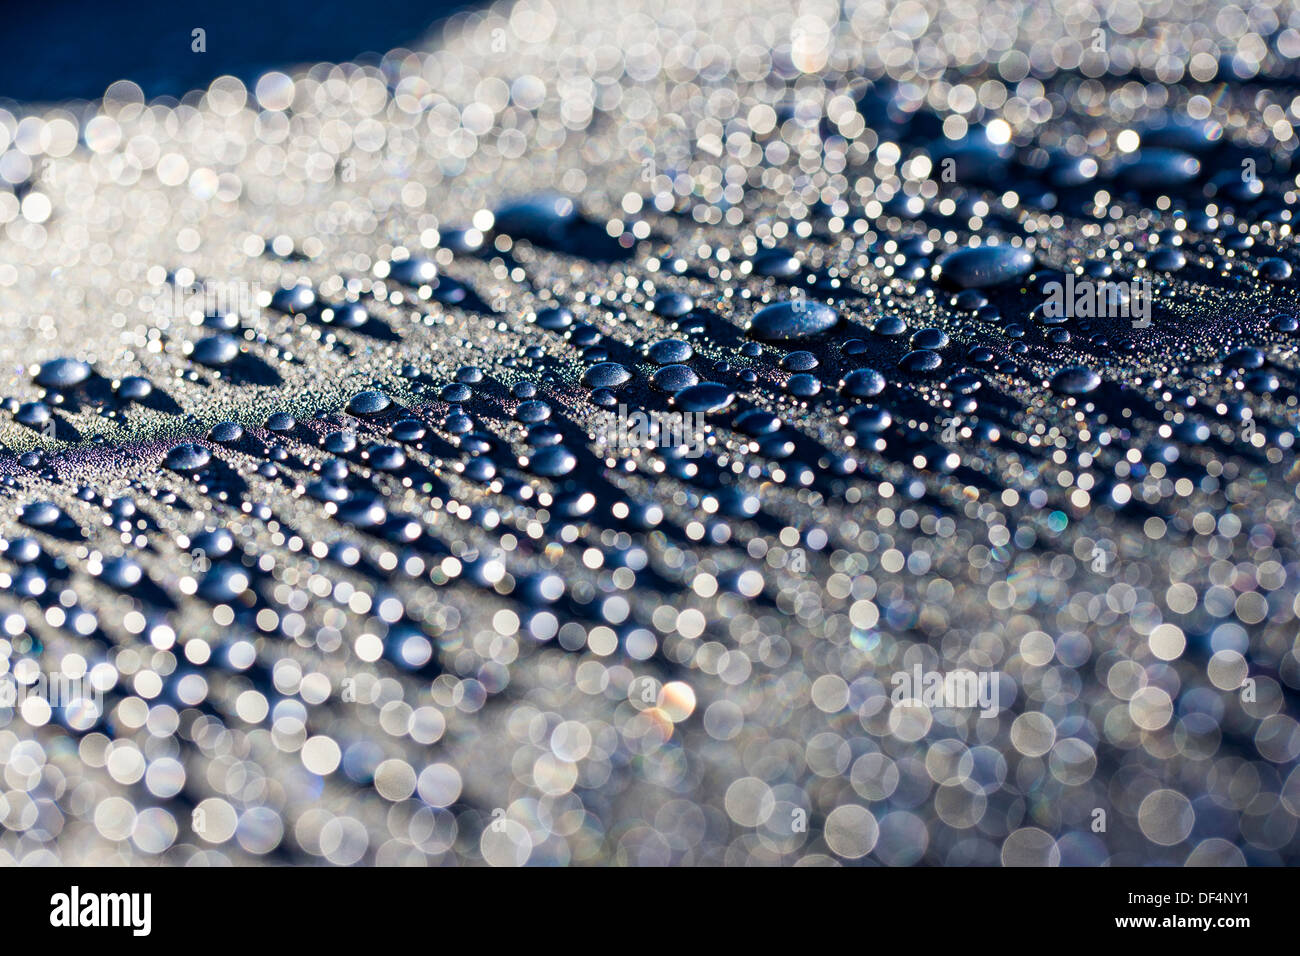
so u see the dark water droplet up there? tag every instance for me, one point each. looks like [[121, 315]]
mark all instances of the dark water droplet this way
[[920, 361], [674, 378], [930, 339], [39, 514], [134, 387], [408, 429], [222, 321], [347, 315], [62, 373], [789, 321], [299, 298], [479, 469], [476, 443], [1247, 357], [670, 352], [1263, 382], [1168, 260], [704, 397], [799, 362], [386, 458], [552, 461], [362, 511], [606, 375], [803, 385], [459, 424], [755, 422], [544, 218], [281, 422], [869, 420], [778, 263], [1075, 380], [33, 414], [340, 443], [226, 432], [543, 434], [122, 572], [216, 543], [1275, 270], [584, 335], [984, 266], [532, 412], [890, 326], [188, 457], [672, 304], [449, 291], [456, 392], [215, 350], [369, 402], [776, 447], [863, 383], [23, 550], [554, 319], [414, 272]]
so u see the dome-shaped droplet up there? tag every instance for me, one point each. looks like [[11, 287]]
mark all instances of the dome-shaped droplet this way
[[984, 266], [62, 373], [790, 321], [1075, 380]]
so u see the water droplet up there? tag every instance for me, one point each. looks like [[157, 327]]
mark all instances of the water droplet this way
[[215, 350], [1075, 380], [369, 402], [674, 378], [789, 321], [188, 457], [606, 375], [984, 266], [704, 397], [670, 352], [863, 383], [62, 373], [920, 361]]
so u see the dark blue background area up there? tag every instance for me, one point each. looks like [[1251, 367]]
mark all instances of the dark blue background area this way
[[73, 49]]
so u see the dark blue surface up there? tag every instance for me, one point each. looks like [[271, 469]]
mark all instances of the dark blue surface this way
[[73, 49]]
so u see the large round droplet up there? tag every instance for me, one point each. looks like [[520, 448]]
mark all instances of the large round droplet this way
[[863, 383], [1075, 380], [674, 378], [215, 350], [984, 266], [552, 462], [672, 305], [789, 321], [670, 352], [413, 272], [370, 402], [62, 373], [920, 361], [188, 457], [606, 375], [704, 397]]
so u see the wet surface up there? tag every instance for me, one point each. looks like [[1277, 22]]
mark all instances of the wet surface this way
[[376, 553]]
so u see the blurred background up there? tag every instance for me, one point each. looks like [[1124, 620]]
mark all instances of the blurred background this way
[[74, 49]]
